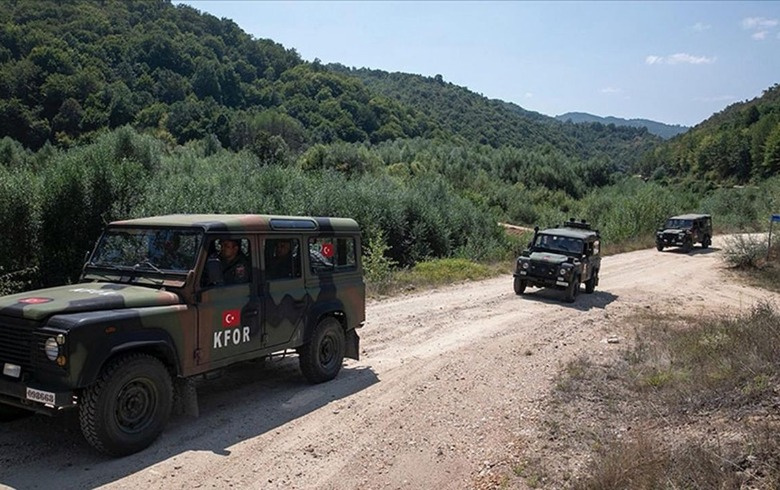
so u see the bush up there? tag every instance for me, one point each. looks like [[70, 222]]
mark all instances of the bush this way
[[745, 250]]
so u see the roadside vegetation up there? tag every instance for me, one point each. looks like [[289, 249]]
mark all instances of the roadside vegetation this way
[[690, 403]]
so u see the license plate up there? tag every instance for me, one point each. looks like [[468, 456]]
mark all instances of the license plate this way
[[40, 396]]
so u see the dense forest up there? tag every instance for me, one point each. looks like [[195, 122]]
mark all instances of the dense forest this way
[[665, 131], [113, 109]]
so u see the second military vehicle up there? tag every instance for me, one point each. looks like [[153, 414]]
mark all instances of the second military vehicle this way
[[684, 231], [164, 300], [561, 258]]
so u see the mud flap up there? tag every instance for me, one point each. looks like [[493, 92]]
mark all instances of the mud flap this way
[[185, 397], [352, 345]]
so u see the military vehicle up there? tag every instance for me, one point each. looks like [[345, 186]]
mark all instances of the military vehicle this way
[[165, 300], [561, 258], [684, 231]]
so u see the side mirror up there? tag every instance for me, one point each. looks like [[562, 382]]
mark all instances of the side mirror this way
[[214, 272]]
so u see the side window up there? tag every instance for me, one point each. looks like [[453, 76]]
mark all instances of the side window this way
[[328, 254], [234, 257], [282, 258]]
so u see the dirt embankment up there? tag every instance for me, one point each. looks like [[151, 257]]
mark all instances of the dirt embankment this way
[[449, 389]]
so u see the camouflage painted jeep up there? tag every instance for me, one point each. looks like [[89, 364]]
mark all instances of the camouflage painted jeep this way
[[684, 231], [166, 299], [561, 258]]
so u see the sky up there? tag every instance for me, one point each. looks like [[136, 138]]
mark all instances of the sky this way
[[666, 61]]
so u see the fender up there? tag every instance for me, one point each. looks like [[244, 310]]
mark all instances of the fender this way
[[333, 307], [153, 341]]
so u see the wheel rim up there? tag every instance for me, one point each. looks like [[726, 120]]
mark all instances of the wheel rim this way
[[135, 406], [328, 348]]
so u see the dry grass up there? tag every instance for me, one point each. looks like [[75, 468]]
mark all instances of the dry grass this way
[[692, 403]]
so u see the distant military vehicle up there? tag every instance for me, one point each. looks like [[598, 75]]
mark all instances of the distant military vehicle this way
[[561, 258], [164, 300], [684, 231]]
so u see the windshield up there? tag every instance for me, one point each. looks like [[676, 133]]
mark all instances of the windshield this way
[[679, 223], [557, 243], [147, 248]]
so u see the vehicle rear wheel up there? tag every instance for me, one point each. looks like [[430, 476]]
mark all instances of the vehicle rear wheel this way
[[321, 358], [573, 290], [706, 242], [126, 409], [520, 285], [590, 284]]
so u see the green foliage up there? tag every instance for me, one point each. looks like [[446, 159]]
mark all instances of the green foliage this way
[[377, 266], [745, 251]]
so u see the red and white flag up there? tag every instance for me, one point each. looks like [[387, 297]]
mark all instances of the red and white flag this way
[[231, 318]]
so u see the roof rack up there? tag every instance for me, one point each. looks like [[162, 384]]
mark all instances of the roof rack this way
[[581, 224]]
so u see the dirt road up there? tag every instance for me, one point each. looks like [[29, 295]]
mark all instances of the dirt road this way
[[448, 389]]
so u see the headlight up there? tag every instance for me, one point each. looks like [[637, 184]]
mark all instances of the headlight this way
[[563, 271], [525, 265], [52, 348]]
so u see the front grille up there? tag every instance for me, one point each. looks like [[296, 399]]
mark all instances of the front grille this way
[[543, 269], [16, 341]]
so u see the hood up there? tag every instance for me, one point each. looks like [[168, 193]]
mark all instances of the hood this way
[[42, 303], [549, 257], [674, 230]]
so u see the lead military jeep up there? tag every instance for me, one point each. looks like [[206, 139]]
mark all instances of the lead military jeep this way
[[561, 258], [684, 231], [165, 300]]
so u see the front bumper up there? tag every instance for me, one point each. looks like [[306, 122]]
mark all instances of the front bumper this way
[[671, 240], [543, 281], [34, 398]]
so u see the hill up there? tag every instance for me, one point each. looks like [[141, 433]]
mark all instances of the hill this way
[[665, 131], [737, 145], [498, 123]]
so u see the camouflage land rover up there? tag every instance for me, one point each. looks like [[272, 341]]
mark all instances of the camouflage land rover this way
[[166, 299], [684, 231], [561, 258]]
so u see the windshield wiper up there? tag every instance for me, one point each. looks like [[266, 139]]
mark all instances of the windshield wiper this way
[[147, 264]]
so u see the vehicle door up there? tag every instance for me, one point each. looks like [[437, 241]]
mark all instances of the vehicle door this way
[[284, 295], [228, 305]]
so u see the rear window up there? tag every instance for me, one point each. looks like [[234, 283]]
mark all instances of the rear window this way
[[330, 254]]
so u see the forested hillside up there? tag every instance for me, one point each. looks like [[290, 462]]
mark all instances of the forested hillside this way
[[498, 123], [738, 145], [665, 131], [115, 109]]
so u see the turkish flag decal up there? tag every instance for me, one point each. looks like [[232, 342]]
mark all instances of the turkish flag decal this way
[[327, 250], [231, 318]]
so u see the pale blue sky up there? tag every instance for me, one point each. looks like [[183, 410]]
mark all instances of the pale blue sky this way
[[672, 62]]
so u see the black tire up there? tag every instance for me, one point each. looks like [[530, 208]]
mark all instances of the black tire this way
[[520, 285], [573, 290], [687, 245], [590, 284], [659, 247], [126, 409], [706, 242], [321, 358]]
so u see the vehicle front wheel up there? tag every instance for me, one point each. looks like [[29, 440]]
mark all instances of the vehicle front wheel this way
[[659, 247], [126, 409], [590, 284], [321, 358], [687, 245], [520, 285], [573, 290]]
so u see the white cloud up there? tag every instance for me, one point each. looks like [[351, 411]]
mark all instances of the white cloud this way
[[701, 27], [611, 90], [679, 58], [760, 35], [759, 23]]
